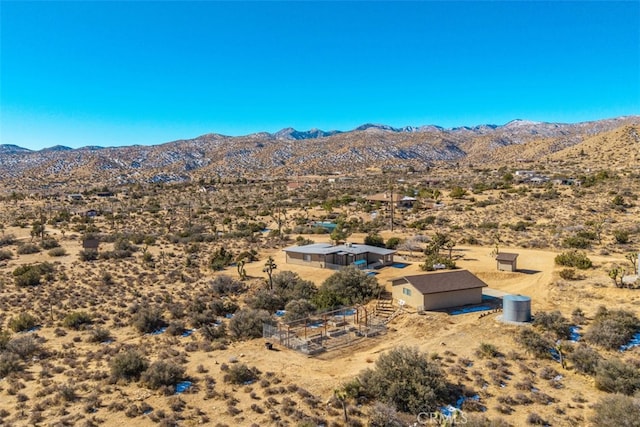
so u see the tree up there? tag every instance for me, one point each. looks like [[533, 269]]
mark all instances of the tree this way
[[346, 287], [617, 273], [632, 257], [374, 239], [405, 378], [269, 266], [37, 230]]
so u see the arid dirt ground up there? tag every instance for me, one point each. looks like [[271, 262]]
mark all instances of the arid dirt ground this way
[[67, 382]]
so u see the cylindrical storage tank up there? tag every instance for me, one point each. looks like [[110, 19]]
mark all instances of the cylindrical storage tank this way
[[516, 308]]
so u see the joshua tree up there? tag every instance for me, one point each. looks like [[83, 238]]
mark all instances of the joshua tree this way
[[241, 271], [269, 266], [615, 273], [37, 230], [632, 257]]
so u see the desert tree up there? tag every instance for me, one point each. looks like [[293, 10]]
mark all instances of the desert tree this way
[[269, 266]]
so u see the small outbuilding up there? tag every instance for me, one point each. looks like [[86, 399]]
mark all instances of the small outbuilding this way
[[507, 261], [438, 290]]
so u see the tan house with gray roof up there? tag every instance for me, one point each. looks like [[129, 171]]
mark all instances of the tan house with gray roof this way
[[438, 290]]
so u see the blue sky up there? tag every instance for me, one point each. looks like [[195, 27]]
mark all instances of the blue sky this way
[[140, 72]]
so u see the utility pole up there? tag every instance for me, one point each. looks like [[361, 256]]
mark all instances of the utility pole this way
[[392, 207]]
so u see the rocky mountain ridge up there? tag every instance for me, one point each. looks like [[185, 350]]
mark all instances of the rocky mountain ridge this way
[[292, 152]]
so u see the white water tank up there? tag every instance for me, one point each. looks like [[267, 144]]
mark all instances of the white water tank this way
[[516, 308]]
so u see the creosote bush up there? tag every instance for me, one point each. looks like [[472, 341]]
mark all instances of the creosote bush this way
[[407, 379], [612, 329], [616, 376], [162, 373], [241, 374], [23, 322], [574, 259], [128, 365], [148, 320], [616, 410], [77, 320], [247, 323]]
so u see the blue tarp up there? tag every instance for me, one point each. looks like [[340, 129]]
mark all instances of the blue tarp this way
[[360, 262], [281, 313], [635, 342], [182, 386], [188, 333], [158, 332], [449, 410], [574, 333], [465, 310]]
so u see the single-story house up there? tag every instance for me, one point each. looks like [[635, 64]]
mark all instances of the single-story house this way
[[438, 290], [326, 255], [399, 200], [507, 261]]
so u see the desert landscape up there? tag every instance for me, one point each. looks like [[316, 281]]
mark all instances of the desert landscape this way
[[137, 302]]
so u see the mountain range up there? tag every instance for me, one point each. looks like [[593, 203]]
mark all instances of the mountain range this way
[[293, 152]]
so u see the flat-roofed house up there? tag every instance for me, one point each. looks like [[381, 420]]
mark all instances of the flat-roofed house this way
[[325, 255], [438, 290]]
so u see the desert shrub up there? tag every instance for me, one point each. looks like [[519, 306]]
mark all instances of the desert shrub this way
[[290, 286], [22, 322], [9, 363], [148, 320], [49, 243], [568, 274], [57, 252], [28, 248], [407, 379], [576, 242], [213, 332], [5, 254], [381, 415], [534, 343], [247, 323], [267, 300], [536, 420], [393, 242], [612, 329], [24, 346], [99, 335], [88, 255], [585, 359], [487, 350], [373, 239], [226, 285], [77, 320], [7, 240], [616, 376], [574, 259], [346, 287], [162, 373], [220, 259], [298, 309], [128, 366], [621, 236], [554, 323], [616, 410], [175, 328], [241, 374], [31, 274]]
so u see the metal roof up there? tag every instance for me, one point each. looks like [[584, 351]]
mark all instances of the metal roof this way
[[326, 248], [506, 256]]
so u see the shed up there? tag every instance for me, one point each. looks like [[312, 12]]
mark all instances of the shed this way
[[438, 290], [90, 244], [507, 261]]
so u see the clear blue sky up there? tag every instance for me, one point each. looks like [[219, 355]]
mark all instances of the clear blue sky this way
[[118, 73]]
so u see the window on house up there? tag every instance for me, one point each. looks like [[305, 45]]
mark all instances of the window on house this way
[[406, 291], [306, 257]]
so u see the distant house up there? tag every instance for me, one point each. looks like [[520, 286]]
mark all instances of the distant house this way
[[104, 194], [74, 197], [507, 261], [91, 213], [438, 290], [325, 255], [398, 200]]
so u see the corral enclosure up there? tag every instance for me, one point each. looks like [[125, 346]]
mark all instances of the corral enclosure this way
[[328, 330]]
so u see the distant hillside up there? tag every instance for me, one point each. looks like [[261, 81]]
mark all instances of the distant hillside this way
[[292, 152]]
